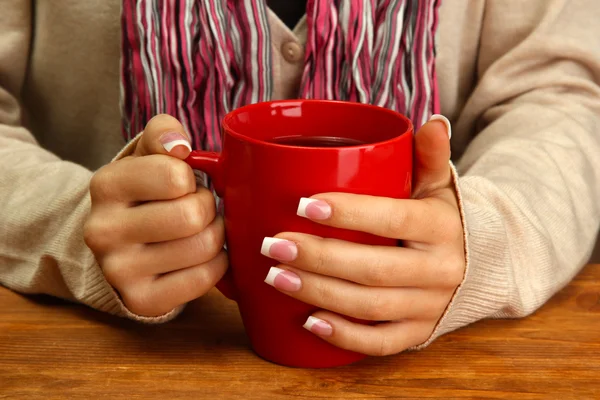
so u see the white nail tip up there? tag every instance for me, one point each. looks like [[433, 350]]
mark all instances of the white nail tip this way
[[267, 243], [273, 272], [446, 121], [304, 202], [180, 142], [310, 322]]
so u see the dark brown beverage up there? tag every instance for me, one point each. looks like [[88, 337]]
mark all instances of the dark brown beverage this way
[[316, 141]]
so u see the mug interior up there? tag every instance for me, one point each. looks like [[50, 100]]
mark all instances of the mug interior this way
[[316, 118]]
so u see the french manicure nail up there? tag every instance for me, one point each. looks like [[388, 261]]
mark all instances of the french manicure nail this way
[[283, 280], [173, 139], [439, 117], [318, 326], [313, 209], [279, 249]]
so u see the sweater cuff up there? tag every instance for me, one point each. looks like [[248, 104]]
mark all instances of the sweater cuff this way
[[485, 283]]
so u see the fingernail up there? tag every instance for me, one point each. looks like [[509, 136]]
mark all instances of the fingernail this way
[[283, 280], [318, 326], [279, 249], [313, 209], [439, 117], [173, 139]]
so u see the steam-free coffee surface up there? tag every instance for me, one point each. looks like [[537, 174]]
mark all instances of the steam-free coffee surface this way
[[316, 141]]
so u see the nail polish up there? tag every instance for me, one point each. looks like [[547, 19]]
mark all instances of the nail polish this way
[[318, 326], [279, 249], [173, 139], [313, 209], [439, 117], [283, 280]]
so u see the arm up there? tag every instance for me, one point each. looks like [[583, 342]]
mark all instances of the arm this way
[[44, 200], [498, 241], [530, 179]]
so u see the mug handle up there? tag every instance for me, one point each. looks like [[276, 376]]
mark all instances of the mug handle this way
[[211, 164]]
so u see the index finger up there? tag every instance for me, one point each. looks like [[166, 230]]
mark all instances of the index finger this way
[[402, 219], [139, 179]]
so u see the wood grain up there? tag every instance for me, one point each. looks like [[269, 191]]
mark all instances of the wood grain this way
[[53, 350]]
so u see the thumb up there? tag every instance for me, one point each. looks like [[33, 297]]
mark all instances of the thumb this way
[[432, 153], [164, 135]]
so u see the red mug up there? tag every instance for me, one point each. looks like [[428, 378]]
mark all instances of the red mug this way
[[261, 183]]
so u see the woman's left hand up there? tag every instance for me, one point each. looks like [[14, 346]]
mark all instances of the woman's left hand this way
[[408, 287]]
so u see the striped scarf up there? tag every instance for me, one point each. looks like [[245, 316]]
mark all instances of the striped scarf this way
[[199, 59]]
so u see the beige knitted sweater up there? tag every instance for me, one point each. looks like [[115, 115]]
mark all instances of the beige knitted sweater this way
[[519, 80]]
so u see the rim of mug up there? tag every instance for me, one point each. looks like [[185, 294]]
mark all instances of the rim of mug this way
[[229, 130]]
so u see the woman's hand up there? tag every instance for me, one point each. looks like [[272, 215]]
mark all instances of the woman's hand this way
[[154, 233], [407, 288]]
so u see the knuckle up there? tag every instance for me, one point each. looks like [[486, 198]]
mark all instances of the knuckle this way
[[139, 301], [354, 216], [207, 203], [89, 234], [215, 238], [159, 120], [378, 308], [349, 215], [396, 222], [220, 264], [455, 270], [385, 347], [203, 279], [455, 225], [208, 243], [180, 178], [159, 124], [449, 271], [193, 215], [451, 228], [378, 274], [199, 243], [447, 222], [323, 257], [326, 296], [100, 185], [115, 272], [424, 334], [98, 233]]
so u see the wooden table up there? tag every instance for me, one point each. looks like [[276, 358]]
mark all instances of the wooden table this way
[[50, 349]]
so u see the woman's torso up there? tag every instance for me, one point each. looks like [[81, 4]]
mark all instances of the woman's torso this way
[[71, 94]]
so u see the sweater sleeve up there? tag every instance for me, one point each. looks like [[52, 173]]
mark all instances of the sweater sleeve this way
[[529, 181], [44, 200]]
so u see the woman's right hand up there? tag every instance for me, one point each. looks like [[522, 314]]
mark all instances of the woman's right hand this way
[[155, 234]]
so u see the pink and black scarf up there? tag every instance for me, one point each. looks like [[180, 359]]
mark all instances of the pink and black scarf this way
[[199, 59]]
